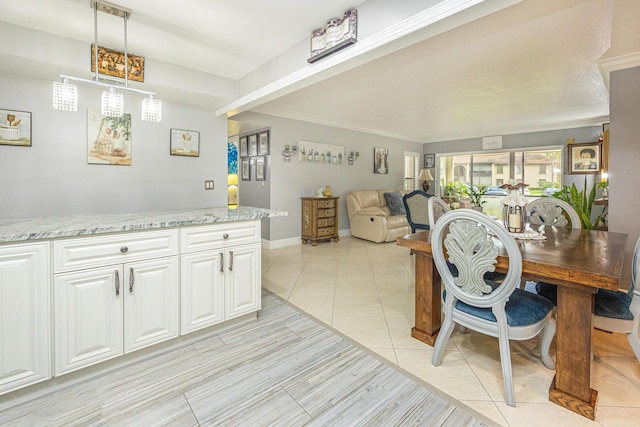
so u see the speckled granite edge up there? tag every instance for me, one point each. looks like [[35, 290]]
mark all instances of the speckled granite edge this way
[[51, 227]]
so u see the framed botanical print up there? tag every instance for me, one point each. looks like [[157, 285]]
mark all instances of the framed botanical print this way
[[253, 145], [244, 147], [245, 170], [15, 128], [261, 168], [185, 143], [263, 143], [585, 158]]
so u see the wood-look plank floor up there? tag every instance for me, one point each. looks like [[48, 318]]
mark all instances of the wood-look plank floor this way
[[283, 369]]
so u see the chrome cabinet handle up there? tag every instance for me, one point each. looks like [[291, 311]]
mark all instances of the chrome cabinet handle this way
[[124, 250], [231, 261], [225, 236], [221, 262], [117, 282], [131, 279]]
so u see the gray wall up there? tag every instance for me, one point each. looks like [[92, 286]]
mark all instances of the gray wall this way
[[53, 177], [624, 160], [288, 181]]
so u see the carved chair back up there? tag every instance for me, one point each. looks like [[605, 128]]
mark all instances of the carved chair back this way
[[549, 211], [437, 207]]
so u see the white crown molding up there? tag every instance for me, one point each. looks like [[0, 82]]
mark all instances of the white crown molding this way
[[617, 63], [355, 54]]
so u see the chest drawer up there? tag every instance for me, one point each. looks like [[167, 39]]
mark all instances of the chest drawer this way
[[322, 204], [85, 252], [206, 237], [326, 213], [326, 222]]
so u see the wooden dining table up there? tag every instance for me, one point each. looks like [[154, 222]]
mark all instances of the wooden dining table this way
[[578, 261]]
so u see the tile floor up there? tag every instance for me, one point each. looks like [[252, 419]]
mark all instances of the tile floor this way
[[366, 291]]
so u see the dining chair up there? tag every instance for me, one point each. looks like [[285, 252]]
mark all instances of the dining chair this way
[[437, 207], [550, 211], [415, 203], [497, 308], [614, 311]]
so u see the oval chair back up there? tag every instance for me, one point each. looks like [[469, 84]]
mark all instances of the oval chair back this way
[[437, 207], [415, 203], [549, 211]]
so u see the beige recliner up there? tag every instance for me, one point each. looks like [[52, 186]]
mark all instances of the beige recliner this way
[[371, 219]]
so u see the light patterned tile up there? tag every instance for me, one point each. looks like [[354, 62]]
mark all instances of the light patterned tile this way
[[368, 331]]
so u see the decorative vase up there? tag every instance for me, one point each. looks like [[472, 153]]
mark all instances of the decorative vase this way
[[327, 192]]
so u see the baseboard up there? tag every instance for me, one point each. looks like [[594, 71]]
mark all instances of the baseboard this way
[[294, 241]]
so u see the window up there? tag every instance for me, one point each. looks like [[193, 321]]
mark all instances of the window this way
[[542, 169], [500, 169], [411, 170]]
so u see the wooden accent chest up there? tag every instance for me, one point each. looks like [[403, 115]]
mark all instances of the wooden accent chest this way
[[319, 219]]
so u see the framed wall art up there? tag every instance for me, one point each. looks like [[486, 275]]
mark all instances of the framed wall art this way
[[585, 158], [111, 63], [263, 143], [108, 139], [261, 168], [380, 160], [15, 128], [245, 170], [429, 161], [185, 143], [253, 145], [244, 147], [337, 34]]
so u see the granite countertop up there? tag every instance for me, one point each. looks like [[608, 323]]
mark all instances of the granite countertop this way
[[50, 227]]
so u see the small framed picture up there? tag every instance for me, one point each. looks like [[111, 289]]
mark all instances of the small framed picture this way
[[380, 160], [245, 170], [185, 143], [261, 168], [244, 147], [429, 161], [263, 143], [585, 158], [15, 128], [253, 145]]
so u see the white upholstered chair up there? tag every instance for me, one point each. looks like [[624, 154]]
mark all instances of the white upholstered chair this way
[[495, 308], [436, 207]]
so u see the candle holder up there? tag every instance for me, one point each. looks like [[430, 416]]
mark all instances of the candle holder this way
[[353, 157], [288, 153], [513, 212]]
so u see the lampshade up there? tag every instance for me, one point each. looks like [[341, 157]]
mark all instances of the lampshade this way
[[112, 103], [425, 175], [65, 96], [151, 109]]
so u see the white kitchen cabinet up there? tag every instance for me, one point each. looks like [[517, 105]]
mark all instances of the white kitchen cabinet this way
[[25, 356], [105, 311], [221, 277]]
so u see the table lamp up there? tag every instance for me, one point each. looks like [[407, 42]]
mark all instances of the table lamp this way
[[425, 177]]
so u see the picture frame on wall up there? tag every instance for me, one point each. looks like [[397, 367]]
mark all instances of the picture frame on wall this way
[[253, 145], [15, 128], [429, 161], [244, 147], [184, 143], [245, 170], [584, 158], [263, 143], [261, 168], [380, 160]]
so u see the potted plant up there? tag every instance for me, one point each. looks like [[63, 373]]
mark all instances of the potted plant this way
[[476, 193], [604, 185], [452, 193], [582, 203]]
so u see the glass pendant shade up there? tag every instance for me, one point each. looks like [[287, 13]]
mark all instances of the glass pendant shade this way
[[112, 103], [65, 96], [151, 109]]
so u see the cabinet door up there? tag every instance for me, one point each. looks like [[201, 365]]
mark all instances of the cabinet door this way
[[202, 290], [25, 355], [242, 280], [88, 317], [151, 302]]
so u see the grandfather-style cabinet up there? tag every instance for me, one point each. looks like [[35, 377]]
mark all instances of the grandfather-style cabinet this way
[[319, 219]]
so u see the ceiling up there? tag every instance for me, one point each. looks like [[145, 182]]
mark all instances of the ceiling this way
[[531, 66]]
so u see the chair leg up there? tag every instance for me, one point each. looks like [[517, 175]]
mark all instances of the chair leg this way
[[634, 336], [505, 358], [546, 337], [443, 336]]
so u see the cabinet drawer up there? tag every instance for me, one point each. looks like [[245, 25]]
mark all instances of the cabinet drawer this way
[[326, 204], [326, 222], [329, 231], [85, 252], [326, 213], [218, 235]]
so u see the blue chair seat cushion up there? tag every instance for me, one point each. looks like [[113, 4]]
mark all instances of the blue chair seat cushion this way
[[523, 308], [394, 201], [610, 304]]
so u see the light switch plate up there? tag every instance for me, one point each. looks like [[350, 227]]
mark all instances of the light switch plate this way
[[208, 184]]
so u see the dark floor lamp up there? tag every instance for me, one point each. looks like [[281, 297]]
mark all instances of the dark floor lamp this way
[[425, 177]]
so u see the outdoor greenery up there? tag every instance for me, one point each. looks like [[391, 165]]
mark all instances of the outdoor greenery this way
[[581, 202], [476, 193]]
